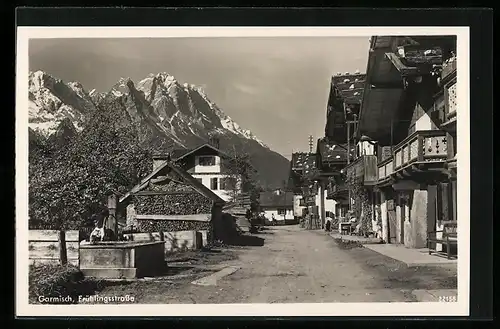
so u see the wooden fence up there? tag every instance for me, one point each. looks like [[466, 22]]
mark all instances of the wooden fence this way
[[54, 247], [242, 200]]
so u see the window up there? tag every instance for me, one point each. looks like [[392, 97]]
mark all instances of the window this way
[[227, 183], [281, 211], [213, 184], [206, 161]]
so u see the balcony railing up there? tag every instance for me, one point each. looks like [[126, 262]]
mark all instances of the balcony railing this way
[[335, 190], [423, 146], [364, 168], [451, 101], [414, 55], [385, 168]]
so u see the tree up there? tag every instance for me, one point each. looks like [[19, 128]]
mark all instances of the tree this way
[[239, 169], [69, 182]]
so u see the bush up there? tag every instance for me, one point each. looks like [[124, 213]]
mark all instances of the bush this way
[[51, 281], [348, 244]]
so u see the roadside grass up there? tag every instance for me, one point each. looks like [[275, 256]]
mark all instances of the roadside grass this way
[[201, 257], [348, 244], [53, 281], [174, 284]]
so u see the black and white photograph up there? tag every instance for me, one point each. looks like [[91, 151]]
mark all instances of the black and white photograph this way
[[274, 171]]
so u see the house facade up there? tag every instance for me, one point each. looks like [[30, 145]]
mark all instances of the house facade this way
[[206, 164], [169, 199], [408, 116], [279, 205], [338, 149]]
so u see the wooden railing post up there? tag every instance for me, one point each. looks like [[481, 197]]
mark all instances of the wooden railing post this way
[[420, 147], [63, 254]]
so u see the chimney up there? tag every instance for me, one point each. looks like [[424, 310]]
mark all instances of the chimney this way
[[214, 141], [159, 159]]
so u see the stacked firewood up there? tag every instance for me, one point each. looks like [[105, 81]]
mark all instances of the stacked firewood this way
[[172, 204], [150, 226]]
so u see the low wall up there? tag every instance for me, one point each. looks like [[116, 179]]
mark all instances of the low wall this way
[[174, 241], [122, 259], [44, 247]]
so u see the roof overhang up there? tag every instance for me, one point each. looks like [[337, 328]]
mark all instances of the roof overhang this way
[[380, 70], [383, 91], [380, 106]]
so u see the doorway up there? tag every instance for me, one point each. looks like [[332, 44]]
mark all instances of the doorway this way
[[391, 218], [402, 208]]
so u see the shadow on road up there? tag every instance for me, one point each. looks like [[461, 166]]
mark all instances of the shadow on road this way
[[245, 241], [232, 235]]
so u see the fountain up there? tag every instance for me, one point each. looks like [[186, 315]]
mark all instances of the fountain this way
[[105, 259]]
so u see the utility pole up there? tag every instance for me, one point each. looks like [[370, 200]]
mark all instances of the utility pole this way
[[310, 143]]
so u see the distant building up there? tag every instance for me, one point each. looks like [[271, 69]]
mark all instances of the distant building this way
[[278, 204], [302, 171]]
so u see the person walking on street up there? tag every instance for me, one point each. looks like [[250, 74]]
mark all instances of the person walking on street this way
[[328, 222]]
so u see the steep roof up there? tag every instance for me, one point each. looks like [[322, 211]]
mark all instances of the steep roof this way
[[303, 161], [351, 87], [193, 182], [271, 199], [333, 152], [179, 154]]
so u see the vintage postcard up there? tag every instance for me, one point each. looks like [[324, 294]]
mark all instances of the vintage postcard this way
[[272, 171]]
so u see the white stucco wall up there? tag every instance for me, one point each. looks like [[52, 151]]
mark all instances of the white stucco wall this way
[[330, 205], [268, 213], [365, 148], [297, 208], [207, 169], [423, 123], [206, 178]]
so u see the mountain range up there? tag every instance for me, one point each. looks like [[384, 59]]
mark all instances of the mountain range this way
[[179, 113]]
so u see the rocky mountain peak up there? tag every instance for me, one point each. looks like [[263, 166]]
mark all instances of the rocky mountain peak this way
[[159, 104]]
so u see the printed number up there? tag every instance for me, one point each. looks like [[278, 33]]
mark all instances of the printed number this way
[[448, 299]]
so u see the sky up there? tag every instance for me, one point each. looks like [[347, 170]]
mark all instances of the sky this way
[[277, 87]]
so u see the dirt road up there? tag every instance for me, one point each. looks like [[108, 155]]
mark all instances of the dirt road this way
[[289, 265]]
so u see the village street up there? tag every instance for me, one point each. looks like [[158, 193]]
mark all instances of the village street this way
[[287, 264]]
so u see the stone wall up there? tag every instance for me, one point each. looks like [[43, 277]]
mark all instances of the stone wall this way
[[174, 241]]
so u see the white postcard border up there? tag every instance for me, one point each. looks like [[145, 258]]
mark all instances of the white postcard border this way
[[23, 308]]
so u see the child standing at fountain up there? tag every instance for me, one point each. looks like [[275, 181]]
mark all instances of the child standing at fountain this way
[[98, 232]]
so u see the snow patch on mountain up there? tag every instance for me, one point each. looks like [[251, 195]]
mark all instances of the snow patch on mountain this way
[[51, 101], [179, 110]]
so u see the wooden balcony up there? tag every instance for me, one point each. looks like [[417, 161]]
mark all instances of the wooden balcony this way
[[336, 191], [385, 169], [364, 169], [422, 152], [415, 55], [451, 106]]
